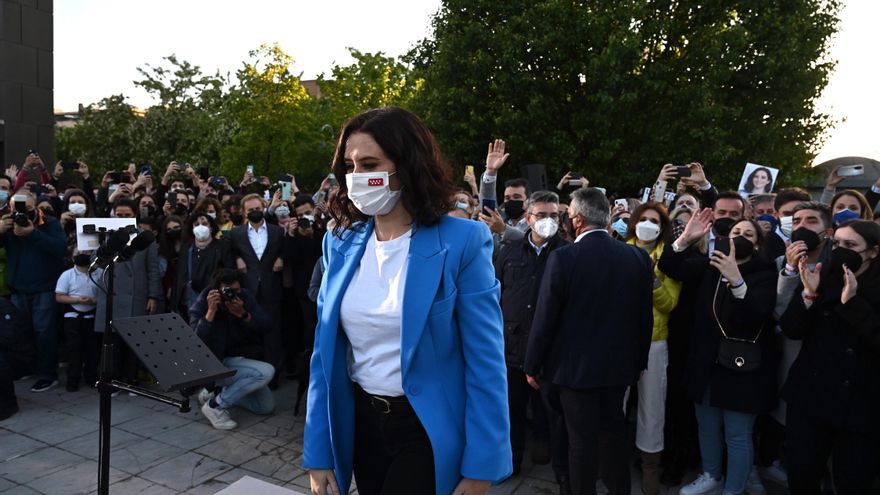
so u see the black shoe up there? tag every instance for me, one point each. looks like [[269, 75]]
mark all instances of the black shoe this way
[[43, 385], [7, 411], [72, 386]]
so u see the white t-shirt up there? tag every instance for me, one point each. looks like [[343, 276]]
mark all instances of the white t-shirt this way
[[371, 314], [75, 283]]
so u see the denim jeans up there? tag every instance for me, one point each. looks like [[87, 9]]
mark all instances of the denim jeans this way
[[737, 435], [247, 388], [38, 311]]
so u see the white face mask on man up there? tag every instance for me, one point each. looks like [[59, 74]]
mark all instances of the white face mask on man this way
[[546, 227], [371, 192], [202, 232]]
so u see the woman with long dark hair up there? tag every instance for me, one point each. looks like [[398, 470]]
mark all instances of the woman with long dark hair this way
[[832, 387], [410, 397], [200, 255], [760, 181]]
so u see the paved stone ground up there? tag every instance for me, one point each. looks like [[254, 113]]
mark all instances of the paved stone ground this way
[[51, 447]]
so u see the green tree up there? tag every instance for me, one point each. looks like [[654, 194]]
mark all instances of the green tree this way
[[104, 137], [616, 89]]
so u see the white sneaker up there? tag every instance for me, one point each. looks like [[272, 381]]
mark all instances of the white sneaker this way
[[219, 418], [705, 484], [775, 473], [204, 396], [753, 484]]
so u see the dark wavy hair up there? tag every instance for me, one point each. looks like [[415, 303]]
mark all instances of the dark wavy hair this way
[[425, 177], [665, 223], [749, 186]]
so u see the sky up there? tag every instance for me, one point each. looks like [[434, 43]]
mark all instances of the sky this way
[[100, 43]]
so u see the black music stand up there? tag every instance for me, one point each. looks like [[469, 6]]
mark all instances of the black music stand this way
[[171, 351]]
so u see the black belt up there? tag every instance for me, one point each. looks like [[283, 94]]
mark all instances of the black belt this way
[[384, 404]]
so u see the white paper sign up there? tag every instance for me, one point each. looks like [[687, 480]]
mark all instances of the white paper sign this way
[[757, 179]]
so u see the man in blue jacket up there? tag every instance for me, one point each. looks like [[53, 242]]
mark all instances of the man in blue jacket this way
[[35, 249], [229, 320]]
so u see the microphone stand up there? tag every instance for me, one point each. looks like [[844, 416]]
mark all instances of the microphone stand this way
[[107, 383]]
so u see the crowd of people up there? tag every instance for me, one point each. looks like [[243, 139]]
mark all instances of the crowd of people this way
[[738, 331]]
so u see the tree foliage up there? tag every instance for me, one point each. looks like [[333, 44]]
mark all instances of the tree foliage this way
[[616, 89]]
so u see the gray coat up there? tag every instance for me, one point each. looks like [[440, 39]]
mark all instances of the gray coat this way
[[136, 280]]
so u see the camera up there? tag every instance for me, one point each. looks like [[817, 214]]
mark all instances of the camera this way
[[304, 223], [21, 217], [228, 294]]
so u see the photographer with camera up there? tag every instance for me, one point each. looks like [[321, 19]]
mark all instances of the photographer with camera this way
[[231, 323], [35, 249]]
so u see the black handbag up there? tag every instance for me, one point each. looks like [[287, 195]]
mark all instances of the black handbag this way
[[735, 354]]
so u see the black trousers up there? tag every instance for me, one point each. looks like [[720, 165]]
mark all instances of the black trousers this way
[[519, 393], [808, 445], [589, 414], [82, 350], [558, 434], [392, 451]]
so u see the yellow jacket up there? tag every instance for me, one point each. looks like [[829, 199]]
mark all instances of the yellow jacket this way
[[665, 295]]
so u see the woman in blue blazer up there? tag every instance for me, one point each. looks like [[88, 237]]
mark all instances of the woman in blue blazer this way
[[408, 387]]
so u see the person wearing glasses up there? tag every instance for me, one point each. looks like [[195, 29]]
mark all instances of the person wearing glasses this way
[[519, 267]]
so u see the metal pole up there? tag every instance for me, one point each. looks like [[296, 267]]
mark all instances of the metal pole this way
[[105, 387]]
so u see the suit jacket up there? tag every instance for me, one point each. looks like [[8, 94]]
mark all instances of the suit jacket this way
[[452, 355], [592, 327], [264, 283]]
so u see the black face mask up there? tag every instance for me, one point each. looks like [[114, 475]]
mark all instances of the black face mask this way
[[148, 211], [831, 278], [744, 247], [48, 212], [513, 209], [180, 210], [82, 260], [723, 226], [810, 238], [255, 216], [236, 218], [172, 235]]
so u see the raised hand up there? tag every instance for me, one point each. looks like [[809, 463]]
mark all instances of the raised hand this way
[[496, 156], [794, 252], [698, 226], [668, 172], [850, 285], [726, 264], [810, 278], [833, 179]]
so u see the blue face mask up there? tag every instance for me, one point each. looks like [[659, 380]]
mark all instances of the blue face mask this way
[[769, 219], [4, 197], [461, 205], [842, 216], [620, 225]]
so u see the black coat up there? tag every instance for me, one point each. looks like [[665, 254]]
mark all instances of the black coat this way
[[260, 279], [836, 377], [301, 253], [749, 392], [519, 269], [218, 254], [593, 323]]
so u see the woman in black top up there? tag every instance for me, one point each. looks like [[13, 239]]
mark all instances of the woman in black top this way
[[833, 388], [201, 254]]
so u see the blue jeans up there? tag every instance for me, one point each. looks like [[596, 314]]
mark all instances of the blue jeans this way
[[737, 435], [247, 388], [38, 310]]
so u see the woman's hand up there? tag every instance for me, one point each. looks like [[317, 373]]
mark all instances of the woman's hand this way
[[698, 226], [726, 264], [833, 179], [563, 181], [667, 173], [810, 278], [323, 482], [850, 285], [468, 486], [496, 156]]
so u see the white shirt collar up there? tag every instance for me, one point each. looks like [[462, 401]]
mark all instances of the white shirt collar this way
[[257, 230]]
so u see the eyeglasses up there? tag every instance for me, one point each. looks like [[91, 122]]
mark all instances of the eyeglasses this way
[[541, 216]]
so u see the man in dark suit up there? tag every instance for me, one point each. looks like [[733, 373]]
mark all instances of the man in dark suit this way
[[258, 248], [590, 336]]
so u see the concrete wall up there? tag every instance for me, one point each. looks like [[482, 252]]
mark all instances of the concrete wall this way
[[26, 80]]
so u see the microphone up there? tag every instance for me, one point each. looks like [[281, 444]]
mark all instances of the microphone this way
[[139, 243], [111, 247]]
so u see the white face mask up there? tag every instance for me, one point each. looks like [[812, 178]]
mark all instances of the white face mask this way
[[370, 192], [77, 209], [282, 212], [546, 227], [461, 205], [202, 232], [212, 215], [647, 231], [785, 225]]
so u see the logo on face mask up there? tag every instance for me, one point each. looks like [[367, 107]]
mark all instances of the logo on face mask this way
[[376, 182], [370, 192]]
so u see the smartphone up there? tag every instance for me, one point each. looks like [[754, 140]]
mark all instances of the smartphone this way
[[622, 203], [333, 181], [146, 170], [576, 179], [851, 171], [683, 171], [488, 203], [286, 188], [204, 174], [250, 169], [20, 201], [722, 244], [469, 170], [70, 166], [172, 200], [116, 176], [659, 191]]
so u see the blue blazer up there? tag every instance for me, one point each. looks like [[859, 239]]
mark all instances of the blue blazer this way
[[452, 355]]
